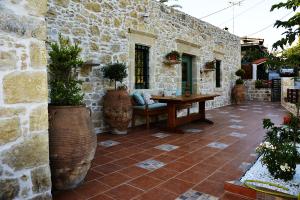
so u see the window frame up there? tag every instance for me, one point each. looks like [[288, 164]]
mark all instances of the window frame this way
[[218, 73], [144, 49]]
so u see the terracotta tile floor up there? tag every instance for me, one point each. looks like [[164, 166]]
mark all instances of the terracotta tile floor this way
[[114, 174]]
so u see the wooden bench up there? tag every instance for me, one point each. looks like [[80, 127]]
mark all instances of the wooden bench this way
[[148, 111]]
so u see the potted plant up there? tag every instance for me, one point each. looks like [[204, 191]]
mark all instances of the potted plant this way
[[259, 84], [72, 141], [239, 90], [117, 102], [173, 57], [210, 65]]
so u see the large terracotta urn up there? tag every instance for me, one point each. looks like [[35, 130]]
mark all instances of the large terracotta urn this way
[[72, 145], [117, 110], [239, 93]]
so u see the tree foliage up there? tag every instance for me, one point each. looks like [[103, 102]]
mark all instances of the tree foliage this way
[[65, 88], [115, 72], [291, 25], [291, 56]]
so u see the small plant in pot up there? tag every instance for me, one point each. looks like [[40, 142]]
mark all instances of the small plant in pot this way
[[173, 56], [239, 90], [117, 102], [72, 141]]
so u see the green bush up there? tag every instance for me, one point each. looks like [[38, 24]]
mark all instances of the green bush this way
[[259, 84], [239, 81], [65, 88], [115, 72], [279, 151], [240, 72]]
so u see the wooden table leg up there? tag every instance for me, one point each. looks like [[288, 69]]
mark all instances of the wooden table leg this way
[[171, 115], [202, 113]]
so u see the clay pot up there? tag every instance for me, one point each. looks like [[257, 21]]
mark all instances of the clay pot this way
[[239, 93], [117, 110], [72, 145]]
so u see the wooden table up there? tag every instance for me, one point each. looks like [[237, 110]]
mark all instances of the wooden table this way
[[177, 101]]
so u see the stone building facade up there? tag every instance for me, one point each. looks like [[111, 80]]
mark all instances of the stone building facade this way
[[24, 152], [109, 30], [257, 94], [287, 83]]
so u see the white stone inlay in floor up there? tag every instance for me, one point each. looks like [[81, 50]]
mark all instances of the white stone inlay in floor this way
[[108, 143], [236, 126], [150, 164], [237, 134], [195, 195], [217, 145], [235, 120], [257, 111], [166, 147], [242, 109], [161, 135], [224, 112], [192, 130]]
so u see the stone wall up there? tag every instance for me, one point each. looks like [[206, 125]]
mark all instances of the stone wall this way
[[108, 31], [287, 83], [24, 152], [257, 94]]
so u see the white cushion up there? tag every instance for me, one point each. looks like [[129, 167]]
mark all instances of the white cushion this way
[[147, 98]]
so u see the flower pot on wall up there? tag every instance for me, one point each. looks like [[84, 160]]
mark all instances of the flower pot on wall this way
[[239, 93], [117, 110], [72, 145]]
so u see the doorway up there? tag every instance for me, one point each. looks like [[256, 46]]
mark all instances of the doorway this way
[[187, 77]]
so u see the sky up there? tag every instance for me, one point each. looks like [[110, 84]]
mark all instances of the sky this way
[[251, 17]]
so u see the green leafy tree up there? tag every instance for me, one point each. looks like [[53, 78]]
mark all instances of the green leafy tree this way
[[291, 56], [65, 88], [115, 72], [292, 25]]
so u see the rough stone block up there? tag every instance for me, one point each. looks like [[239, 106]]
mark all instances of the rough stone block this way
[[39, 119], [38, 55], [37, 7], [30, 153], [22, 26], [10, 130], [41, 179], [9, 188], [87, 87], [63, 3], [10, 112], [93, 6], [8, 60], [25, 87]]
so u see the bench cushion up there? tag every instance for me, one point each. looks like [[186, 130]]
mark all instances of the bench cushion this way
[[138, 98], [152, 106]]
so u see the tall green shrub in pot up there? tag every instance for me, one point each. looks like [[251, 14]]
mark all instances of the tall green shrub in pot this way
[[72, 141], [239, 90], [117, 102]]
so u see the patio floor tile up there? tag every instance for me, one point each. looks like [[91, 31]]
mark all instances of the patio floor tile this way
[[202, 162], [145, 182], [107, 168], [91, 189], [176, 186], [158, 194], [133, 171], [163, 173], [124, 192], [114, 179], [211, 187]]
